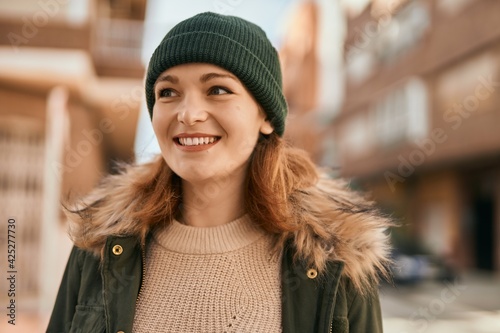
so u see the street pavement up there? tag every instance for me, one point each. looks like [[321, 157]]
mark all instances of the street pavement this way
[[468, 305]]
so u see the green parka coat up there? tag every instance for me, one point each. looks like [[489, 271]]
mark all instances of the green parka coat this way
[[102, 281]]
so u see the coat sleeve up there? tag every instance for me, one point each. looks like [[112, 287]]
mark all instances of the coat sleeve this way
[[364, 314], [67, 297]]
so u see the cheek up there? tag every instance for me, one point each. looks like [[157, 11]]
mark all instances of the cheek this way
[[161, 122], [244, 140]]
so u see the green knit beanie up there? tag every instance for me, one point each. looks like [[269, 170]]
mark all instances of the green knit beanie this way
[[232, 43]]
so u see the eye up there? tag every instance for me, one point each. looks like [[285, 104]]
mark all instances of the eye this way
[[167, 92], [217, 90]]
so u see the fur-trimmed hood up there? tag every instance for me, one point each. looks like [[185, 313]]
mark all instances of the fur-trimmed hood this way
[[334, 222]]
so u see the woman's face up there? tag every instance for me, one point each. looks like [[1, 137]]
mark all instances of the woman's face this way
[[206, 122]]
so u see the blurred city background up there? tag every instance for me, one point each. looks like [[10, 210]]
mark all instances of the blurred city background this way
[[402, 97]]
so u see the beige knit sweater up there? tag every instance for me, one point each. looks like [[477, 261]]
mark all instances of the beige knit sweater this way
[[216, 279]]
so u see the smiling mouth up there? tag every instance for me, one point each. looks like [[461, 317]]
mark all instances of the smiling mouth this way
[[197, 141]]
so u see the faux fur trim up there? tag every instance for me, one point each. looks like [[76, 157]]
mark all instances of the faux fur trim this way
[[333, 223], [339, 224]]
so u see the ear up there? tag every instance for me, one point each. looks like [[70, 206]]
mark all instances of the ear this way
[[266, 127]]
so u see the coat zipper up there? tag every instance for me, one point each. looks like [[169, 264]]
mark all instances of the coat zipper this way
[[143, 255]]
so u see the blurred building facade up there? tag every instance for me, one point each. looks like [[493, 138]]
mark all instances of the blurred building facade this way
[[419, 123], [70, 90], [299, 61], [311, 61]]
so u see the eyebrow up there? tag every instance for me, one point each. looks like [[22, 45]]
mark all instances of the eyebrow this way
[[168, 78]]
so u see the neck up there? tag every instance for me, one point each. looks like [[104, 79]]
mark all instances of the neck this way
[[212, 203]]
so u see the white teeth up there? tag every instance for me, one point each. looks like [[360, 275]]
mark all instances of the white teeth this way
[[196, 141]]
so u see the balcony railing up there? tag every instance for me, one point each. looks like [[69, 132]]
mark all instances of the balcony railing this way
[[116, 47]]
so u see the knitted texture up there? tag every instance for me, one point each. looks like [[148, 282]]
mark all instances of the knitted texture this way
[[232, 43], [219, 279]]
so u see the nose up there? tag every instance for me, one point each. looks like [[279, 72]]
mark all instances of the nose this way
[[192, 110]]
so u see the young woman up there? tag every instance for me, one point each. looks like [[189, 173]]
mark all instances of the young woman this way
[[229, 230]]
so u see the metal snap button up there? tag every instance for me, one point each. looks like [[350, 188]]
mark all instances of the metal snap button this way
[[312, 273], [117, 250]]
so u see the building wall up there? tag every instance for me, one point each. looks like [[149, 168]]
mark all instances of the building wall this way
[[422, 103], [68, 114]]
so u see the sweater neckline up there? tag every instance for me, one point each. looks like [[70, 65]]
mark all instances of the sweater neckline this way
[[231, 236]]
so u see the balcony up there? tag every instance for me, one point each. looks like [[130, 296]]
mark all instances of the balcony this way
[[116, 47]]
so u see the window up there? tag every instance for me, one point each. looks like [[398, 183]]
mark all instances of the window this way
[[402, 114]]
